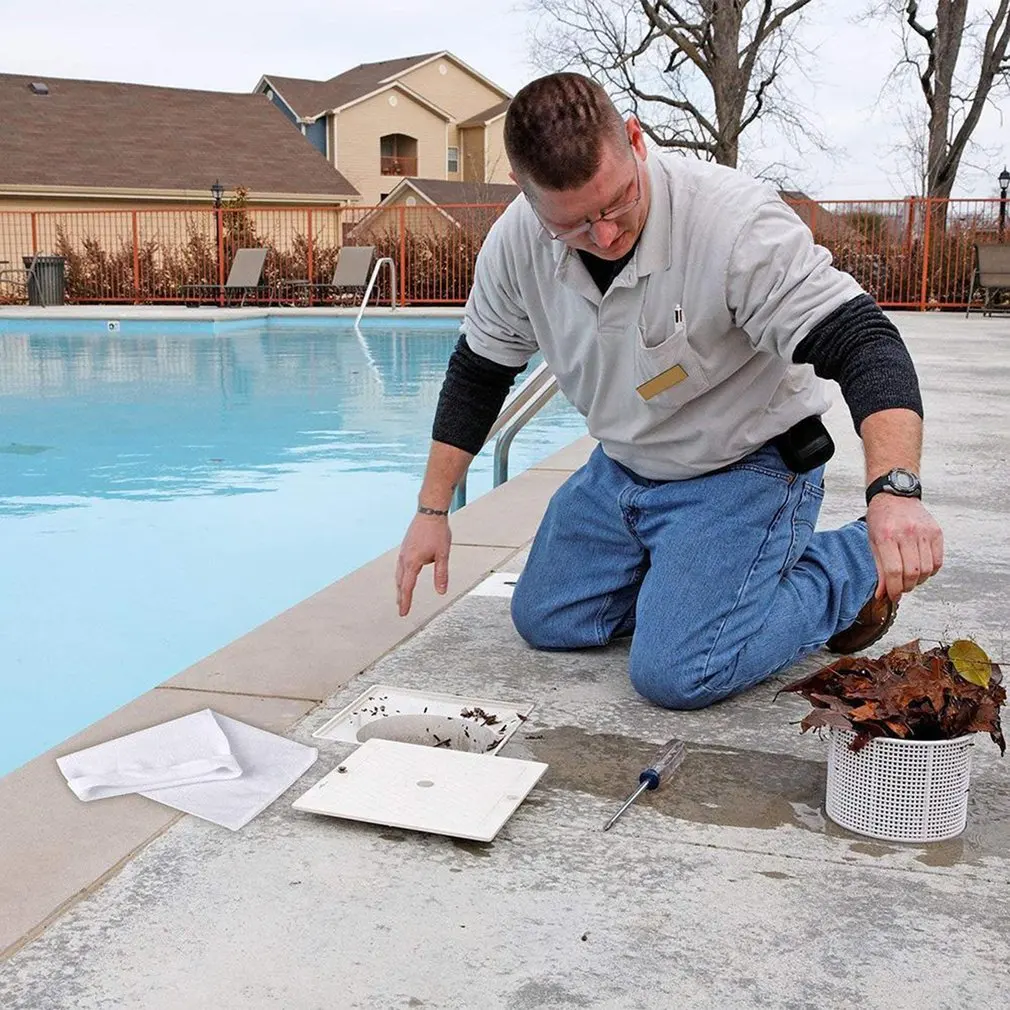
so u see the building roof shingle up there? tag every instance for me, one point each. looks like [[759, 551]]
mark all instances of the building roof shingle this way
[[106, 135], [311, 98], [445, 191], [487, 115]]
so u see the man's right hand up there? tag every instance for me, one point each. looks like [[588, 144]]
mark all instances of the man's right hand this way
[[427, 541]]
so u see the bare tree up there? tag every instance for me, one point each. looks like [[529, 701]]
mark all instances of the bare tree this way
[[960, 63], [909, 155], [697, 73]]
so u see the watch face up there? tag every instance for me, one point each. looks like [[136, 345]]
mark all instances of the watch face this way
[[902, 480]]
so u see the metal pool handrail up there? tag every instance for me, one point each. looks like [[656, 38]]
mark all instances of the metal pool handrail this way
[[524, 404], [371, 284]]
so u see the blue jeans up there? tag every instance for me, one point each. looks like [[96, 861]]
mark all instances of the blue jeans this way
[[721, 578]]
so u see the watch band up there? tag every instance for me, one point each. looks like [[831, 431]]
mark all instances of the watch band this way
[[899, 482]]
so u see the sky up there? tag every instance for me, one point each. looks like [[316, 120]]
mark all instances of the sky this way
[[227, 45]]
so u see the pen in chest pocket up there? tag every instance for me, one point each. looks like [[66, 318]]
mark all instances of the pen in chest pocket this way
[[674, 373]]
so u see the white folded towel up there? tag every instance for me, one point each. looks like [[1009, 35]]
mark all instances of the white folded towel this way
[[177, 753], [270, 765], [204, 764]]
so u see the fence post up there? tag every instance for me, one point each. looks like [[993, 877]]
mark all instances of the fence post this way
[[35, 234], [403, 255], [813, 220], [910, 227], [927, 229], [308, 266], [219, 212], [136, 260]]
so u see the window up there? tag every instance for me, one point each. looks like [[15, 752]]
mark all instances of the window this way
[[398, 154], [452, 162]]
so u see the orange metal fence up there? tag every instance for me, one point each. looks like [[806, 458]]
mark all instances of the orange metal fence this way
[[912, 253]]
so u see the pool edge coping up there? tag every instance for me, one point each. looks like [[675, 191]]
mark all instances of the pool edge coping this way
[[137, 319], [494, 528]]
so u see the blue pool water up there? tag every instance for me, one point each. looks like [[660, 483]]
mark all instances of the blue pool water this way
[[162, 495]]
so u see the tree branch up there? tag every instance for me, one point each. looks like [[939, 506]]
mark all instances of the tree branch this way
[[687, 145], [687, 46], [682, 105], [912, 12], [759, 96], [783, 15], [993, 55]]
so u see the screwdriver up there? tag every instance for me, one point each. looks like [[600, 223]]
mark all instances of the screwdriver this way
[[667, 763]]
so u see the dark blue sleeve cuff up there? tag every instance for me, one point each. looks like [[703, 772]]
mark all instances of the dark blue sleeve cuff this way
[[471, 398], [860, 348]]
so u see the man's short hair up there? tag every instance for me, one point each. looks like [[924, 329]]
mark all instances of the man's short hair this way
[[556, 129]]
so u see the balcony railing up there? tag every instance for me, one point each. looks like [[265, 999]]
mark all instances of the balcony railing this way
[[398, 165]]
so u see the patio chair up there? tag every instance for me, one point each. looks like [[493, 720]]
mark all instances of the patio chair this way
[[351, 271], [992, 276], [14, 280], [245, 276]]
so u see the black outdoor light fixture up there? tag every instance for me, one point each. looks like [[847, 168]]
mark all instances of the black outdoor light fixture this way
[[1004, 184], [217, 191]]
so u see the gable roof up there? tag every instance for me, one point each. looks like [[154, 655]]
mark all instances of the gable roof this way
[[309, 99], [105, 135], [444, 195], [443, 192], [485, 117], [810, 212], [312, 98]]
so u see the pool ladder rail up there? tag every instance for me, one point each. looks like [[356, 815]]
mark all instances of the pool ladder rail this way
[[520, 408], [379, 263]]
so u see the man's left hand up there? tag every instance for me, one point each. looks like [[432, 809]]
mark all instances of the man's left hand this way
[[907, 543]]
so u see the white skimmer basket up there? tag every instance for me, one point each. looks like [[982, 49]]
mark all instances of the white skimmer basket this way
[[899, 790]]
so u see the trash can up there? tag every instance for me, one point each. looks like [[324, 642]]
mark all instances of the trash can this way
[[47, 285]]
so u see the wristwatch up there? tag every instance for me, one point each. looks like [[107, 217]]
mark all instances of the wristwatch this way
[[902, 483]]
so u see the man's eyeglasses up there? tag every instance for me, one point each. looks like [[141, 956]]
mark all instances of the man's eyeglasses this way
[[608, 215]]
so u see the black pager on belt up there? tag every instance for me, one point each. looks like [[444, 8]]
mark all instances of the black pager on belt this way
[[806, 445]]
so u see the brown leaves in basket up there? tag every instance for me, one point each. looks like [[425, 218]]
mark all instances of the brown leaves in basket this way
[[908, 694]]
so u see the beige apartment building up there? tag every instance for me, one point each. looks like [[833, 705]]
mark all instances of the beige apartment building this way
[[86, 145], [429, 116]]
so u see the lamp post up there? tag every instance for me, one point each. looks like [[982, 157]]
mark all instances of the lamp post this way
[[1004, 184], [217, 191]]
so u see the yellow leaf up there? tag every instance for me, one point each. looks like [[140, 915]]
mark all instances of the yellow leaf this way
[[971, 662]]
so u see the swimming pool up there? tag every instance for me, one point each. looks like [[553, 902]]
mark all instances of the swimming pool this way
[[162, 495]]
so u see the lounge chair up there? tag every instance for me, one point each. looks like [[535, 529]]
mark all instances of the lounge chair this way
[[15, 281], [992, 276], [245, 276], [351, 271]]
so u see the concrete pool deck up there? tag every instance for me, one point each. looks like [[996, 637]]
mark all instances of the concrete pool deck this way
[[728, 888]]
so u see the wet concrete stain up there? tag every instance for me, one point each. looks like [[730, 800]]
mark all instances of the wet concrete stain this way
[[480, 849], [987, 832], [715, 785], [875, 849], [729, 787], [539, 993]]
